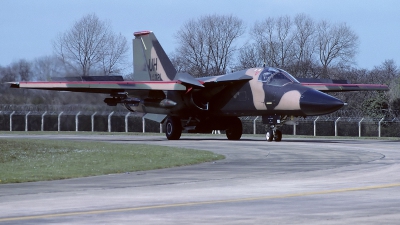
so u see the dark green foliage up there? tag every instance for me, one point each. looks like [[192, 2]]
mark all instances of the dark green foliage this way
[[376, 107]]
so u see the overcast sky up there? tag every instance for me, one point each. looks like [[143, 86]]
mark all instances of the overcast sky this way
[[28, 27]]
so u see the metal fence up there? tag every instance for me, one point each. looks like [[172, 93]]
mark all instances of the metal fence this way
[[122, 121], [75, 121], [332, 126]]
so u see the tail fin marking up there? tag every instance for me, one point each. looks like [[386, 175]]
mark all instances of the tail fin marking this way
[[150, 61]]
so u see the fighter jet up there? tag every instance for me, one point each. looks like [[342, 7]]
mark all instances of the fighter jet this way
[[200, 105]]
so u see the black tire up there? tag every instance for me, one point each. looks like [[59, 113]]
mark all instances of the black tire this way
[[278, 135], [173, 128], [234, 132], [269, 136]]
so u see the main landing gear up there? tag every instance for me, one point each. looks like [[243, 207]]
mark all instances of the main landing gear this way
[[232, 125], [273, 134], [234, 131], [173, 128]]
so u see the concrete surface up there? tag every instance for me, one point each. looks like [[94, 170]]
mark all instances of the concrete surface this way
[[296, 181]]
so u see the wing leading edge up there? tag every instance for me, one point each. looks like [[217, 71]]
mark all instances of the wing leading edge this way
[[182, 82], [101, 86]]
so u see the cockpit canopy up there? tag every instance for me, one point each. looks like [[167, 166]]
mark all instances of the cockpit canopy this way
[[276, 77]]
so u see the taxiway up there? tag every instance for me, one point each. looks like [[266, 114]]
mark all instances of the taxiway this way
[[296, 181]]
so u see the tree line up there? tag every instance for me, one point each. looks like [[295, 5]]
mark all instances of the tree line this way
[[209, 45], [214, 45]]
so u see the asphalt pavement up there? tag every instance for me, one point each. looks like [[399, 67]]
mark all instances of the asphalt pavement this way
[[296, 181]]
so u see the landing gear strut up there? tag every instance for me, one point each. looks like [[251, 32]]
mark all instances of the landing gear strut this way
[[273, 134]]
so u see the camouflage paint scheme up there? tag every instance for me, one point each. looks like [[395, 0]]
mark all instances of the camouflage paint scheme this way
[[208, 103], [102, 86]]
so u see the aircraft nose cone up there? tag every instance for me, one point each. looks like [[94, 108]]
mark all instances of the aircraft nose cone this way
[[313, 103]]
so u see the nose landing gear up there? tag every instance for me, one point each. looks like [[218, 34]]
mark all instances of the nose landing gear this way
[[273, 134], [272, 123]]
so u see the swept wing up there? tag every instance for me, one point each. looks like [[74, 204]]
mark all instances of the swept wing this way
[[330, 87], [327, 85], [101, 86]]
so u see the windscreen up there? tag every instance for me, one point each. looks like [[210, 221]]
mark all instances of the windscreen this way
[[276, 77]]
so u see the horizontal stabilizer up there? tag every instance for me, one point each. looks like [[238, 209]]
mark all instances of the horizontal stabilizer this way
[[188, 79], [233, 77]]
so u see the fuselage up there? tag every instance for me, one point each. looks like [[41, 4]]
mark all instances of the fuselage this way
[[271, 91]]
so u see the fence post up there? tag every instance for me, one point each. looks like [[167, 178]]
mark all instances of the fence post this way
[[26, 121], [294, 129], [42, 122], [59, 120], [336, 126], [109, 121], [315, 126], [11, 120], [379, 128], [77, 121], [126, 122], [160, 128], [143, 125], [92, 119], [359, 127], [254, 125]]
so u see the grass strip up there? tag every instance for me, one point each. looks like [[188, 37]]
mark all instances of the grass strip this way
[[37, 160]]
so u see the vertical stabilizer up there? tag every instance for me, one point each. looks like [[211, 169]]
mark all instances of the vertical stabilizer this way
[[149, 59]]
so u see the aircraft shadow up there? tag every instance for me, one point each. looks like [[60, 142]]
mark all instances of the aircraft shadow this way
[[223, 140]]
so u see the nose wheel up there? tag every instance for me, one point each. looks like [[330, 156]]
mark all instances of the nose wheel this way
[[273, 134]]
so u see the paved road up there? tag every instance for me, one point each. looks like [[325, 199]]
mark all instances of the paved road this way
[[296, 181]]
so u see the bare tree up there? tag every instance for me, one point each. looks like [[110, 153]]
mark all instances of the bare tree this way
[[262, 35], [248, 57], [206, 45], [113, 55], [336, 44], [20, 70], [275, 39], [90, 45], [180, 63], [46, 67], [304, 45], [301, 46]]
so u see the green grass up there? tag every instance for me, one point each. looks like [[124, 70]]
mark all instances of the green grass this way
[[38, 160]]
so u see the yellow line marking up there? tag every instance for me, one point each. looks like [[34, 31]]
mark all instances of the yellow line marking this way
[[199, 203]]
